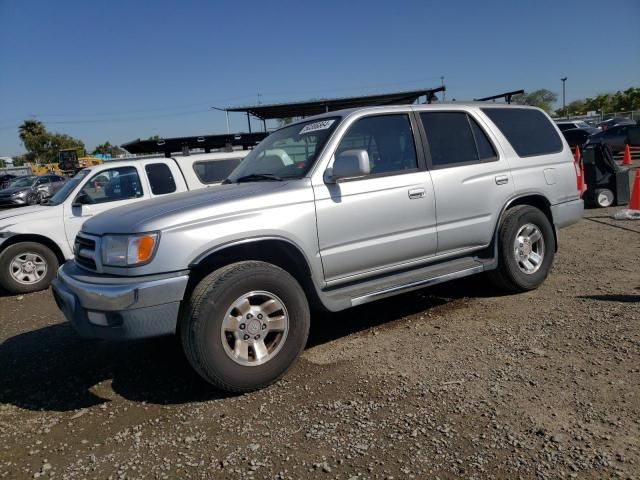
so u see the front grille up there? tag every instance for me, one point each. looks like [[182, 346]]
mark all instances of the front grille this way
[[85, 252]]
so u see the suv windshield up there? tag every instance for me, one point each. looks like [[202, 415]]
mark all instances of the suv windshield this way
[[62, 194], [286, 153], [23, 182]]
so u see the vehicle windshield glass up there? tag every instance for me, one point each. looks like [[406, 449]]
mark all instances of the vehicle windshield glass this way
[[582, 125], [23, 182], [62, 194], [286, 153]]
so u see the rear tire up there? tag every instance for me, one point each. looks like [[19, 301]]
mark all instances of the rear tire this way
[[244, 326], [604, 197], [526, 248], [27, 267]]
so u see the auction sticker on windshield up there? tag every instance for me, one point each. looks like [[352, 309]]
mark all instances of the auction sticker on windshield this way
[[314, 127]]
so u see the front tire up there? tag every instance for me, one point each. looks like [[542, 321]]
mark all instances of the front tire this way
[[27, 267], [526, 248], [244, 326]]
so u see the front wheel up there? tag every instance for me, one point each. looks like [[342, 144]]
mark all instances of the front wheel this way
[[27, 267], [526, 247], [244, 326]]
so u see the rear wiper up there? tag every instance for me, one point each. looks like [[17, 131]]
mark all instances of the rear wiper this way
[[256, 177]]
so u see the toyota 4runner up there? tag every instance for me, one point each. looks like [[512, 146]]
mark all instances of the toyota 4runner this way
[[330, 212]]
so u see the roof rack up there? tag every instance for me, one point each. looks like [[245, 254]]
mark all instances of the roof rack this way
[[507, 96], [309, 108], [186, 144]]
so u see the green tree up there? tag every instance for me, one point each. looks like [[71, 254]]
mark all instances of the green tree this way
[[284, 121], [108, 149], [155, 137], [620, 101], [34, 137], [43, 146], [541, 98]]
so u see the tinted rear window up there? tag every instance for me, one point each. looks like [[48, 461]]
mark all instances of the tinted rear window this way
[[215, 171], [160, 179], [528, 131]]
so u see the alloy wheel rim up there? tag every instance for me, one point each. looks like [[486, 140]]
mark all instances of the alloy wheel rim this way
[[28, 268], [255, 328], [528, 248]]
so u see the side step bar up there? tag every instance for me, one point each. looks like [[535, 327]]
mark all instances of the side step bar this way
[[347, 296], [370, 297]]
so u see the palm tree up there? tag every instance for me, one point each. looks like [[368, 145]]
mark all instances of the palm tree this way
[[34, 136]]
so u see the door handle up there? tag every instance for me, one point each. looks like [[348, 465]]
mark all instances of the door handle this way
[[502, 180], [416, 193]]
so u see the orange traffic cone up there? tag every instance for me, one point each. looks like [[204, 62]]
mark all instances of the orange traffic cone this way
[[576, 155], [626, 160], [583, 185], [634, 204]]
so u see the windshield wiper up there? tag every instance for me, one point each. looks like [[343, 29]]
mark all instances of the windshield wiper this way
[[256, 177]]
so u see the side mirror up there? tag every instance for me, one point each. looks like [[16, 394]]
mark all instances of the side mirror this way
[[349, 164]]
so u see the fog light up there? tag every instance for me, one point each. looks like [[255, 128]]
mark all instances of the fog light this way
[[98, 318]]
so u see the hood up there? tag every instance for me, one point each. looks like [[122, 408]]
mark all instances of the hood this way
[[5, 192], [171, 210], [24, 214]]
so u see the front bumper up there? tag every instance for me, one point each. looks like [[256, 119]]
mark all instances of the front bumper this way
[[119, 308], [567, 213]]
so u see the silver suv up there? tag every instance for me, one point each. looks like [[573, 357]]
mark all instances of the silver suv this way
[[330, 212]]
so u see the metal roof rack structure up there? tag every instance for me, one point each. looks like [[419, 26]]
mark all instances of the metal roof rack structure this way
[[186, 144], [507, 96], [315, 107]]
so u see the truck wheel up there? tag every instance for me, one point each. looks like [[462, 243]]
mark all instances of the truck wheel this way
[[244, 326], [27, 267], [526, 247]]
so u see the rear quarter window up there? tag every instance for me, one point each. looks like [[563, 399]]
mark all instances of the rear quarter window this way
[[528, 131], [215, 171], [160, 178]]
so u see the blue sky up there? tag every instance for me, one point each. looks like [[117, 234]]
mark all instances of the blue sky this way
[[120, 70]]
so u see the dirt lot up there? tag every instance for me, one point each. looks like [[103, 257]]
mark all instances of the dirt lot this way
[[455, 381]]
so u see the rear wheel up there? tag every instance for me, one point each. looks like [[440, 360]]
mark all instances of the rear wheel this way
[[604, 197], [526, 247], [27, 267], [244, 326]]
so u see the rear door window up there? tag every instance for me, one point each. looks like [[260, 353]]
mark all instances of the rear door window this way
[[529, 131], [160, 178], [215, 171], [455, 139]]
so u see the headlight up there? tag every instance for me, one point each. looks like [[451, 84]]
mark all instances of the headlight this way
[[18, 194], [128, 250]]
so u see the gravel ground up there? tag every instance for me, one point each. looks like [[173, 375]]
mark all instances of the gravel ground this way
[[448, 382]]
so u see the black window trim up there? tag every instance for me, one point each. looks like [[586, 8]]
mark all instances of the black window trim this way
[[420, 154], [427, 149], [512, 147]]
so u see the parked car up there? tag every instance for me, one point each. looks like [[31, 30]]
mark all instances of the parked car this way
[[615, 137], [614, 122], [30, 190], [573, 124], [6, 179], [35, 240], [576, 137], [332, 212]]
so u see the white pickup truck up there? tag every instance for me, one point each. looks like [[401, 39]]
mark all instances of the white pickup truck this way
[[34, 241]]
